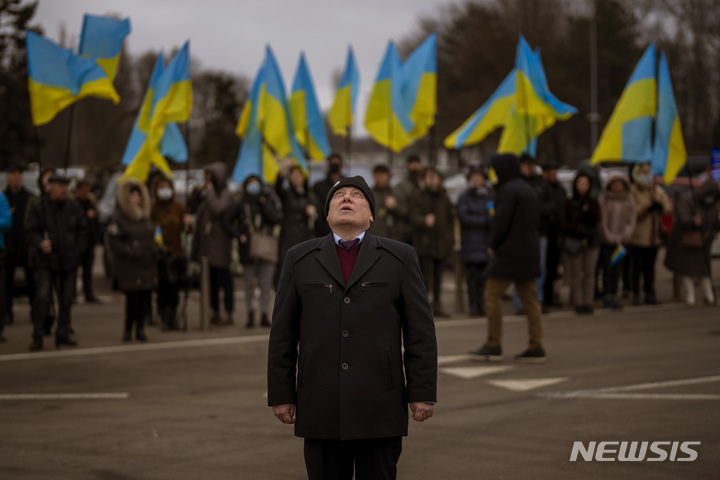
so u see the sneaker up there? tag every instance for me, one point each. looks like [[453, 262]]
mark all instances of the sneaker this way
[[487, 354], [536, 355]]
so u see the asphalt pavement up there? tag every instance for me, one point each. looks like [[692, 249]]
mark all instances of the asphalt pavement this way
[[192, 405]]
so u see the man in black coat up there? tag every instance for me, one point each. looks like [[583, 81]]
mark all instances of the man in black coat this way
[[351, 301], [56, 234], [515, 250], [16, 253]]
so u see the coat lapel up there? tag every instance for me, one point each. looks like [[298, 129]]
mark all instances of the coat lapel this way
[[328, 258], [367, 256]]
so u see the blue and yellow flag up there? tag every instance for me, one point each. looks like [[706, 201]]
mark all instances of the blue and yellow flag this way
[[57, 78], [386, 117], [669, 154], [419, 86], [343, 107], [102, 39], [307, 121], [172, 102], [626, 137], [492, 115], [172, 144], [255, 158]]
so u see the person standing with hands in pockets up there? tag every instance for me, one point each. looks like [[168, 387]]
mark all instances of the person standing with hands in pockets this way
[[347, 303]]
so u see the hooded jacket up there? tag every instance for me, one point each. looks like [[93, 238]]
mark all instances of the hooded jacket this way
[[649, 221], [131, 238], [582, 214], [617, 212], [437, 241], [168, 215], [514, 240], [212, 239], [474, 214]]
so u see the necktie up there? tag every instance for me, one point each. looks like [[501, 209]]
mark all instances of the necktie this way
[[347, 245]]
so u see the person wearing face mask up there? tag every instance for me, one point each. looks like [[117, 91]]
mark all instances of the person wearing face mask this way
[[473, 210], [171, 217], [258, 210], [695, 224], [299, 212], [651, 203]]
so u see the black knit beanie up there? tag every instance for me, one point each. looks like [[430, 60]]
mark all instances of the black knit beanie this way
[[357, 182]]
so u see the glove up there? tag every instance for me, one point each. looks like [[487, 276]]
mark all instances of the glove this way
[[656, 206]]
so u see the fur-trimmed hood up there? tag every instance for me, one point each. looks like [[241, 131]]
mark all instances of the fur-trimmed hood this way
[[130, 210]]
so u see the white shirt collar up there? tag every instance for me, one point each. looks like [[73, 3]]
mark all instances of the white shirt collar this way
[[338, 238]]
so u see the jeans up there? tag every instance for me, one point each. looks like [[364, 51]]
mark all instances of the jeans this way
[[261, 273], [63, 282]]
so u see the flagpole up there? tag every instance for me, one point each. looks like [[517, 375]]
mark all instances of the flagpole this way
[[432, 139], [68, 140], [348, 145], [390, 137], [187, 163]]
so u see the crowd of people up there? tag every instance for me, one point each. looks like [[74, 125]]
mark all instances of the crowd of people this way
[[602, 236]]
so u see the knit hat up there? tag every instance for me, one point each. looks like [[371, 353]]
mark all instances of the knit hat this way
[[357, 182]]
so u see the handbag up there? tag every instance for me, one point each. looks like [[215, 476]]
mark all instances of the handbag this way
[[692, 239], [263, 246], [573, 246]]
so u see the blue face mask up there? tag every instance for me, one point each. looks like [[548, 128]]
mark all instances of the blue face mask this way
[[253, 188]]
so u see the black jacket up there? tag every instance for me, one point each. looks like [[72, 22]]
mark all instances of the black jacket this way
[[294, 227], [252, 212], [474, 214], [15, 244], [353, 379], [515, 240], [65, 224], [582, 216]]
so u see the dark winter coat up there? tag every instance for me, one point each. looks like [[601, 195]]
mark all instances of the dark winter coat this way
[[548, 206], [556, 217], [684, 260], [474, 213], [582, 217], [169, 216], [384, 221], [345, 340], [131, 238], [320, 192], [64, 224], [514, 232], [437, 241], [406, 192], [211, 238], [259, 213], [295, 227], [15, 244]]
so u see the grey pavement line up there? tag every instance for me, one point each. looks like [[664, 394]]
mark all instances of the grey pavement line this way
[[133, 348], [65, 396], [620, 392]]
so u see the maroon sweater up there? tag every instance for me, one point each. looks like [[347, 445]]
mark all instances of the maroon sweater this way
[[347, 259]]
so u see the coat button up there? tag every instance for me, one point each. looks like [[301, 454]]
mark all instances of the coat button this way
[[344, 366], [345, 333], [346, 300]]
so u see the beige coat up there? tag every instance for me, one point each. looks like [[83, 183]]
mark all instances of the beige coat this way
[[647, 230], [618, 213]]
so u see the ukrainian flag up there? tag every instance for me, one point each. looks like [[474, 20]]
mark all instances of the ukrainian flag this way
[[102, 39], [386, 117], [172, 102], [669, 154], [255, 158], [419, 86], [491, 115], [626, 136], [172, 144], [305, 113], [343, 107], [57, 78]]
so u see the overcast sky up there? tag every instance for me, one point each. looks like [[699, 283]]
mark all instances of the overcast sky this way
[[231, 34]]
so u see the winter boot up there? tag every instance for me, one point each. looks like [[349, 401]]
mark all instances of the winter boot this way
[[250, 319], [689, 287], [708, 291], [264, 322]]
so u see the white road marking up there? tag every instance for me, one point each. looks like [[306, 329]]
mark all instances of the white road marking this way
[[79, 352], [64, 396], [445, 359], [468, 373], [620, 392], [525, 384]]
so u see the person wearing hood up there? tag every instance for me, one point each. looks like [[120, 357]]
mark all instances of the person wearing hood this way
[[582, 216], [695, 224], [515, 259], [131, 238], [171, 217], [56, 234], [617, 222], [258, 210], [213, 240], [322, 187], [406, 192], [299, 211], [432, 217], [474, 210], [652, 204]]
